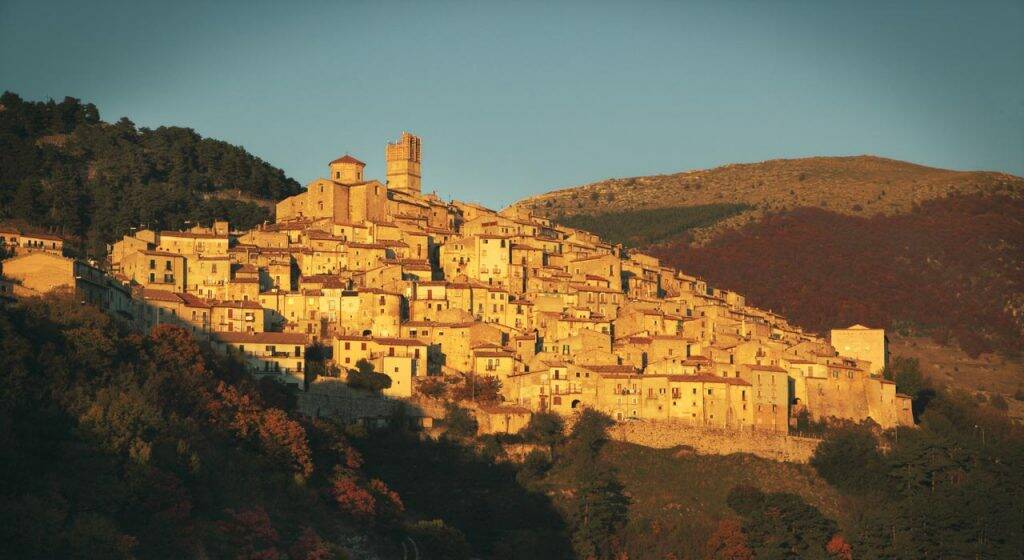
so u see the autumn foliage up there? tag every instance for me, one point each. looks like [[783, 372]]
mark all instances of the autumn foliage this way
[[728, 542], [121, 445]]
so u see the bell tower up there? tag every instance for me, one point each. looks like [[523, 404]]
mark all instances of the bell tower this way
[[403, 163]]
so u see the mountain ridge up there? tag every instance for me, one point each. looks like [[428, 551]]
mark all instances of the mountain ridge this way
[[863, 185]]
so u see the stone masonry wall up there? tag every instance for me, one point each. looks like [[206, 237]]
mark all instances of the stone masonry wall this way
[[667, 434]]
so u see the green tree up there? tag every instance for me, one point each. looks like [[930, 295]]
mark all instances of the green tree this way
[[545, 428], [600, 511], [364, 377], [781, 525], [849, 459], [587, 437], [459, 422]]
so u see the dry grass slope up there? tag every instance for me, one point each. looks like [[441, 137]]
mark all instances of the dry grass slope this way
[[856, 185]]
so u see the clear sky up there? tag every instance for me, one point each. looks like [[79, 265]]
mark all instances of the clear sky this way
[[514, 98]]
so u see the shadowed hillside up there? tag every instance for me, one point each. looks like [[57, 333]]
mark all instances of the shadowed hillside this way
[[951, 268]]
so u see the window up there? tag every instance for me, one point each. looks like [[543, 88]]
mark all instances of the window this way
[[348, 346], [167, 265]]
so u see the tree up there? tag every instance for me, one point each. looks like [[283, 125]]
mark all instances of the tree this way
[[906, 372], [433, 387], [545, 428], [839, 548], [587, 437], [310, 546], [364, 377], [484, 389], [781, 525], [459, 422], [728, 542], [601, 510], [250, 534], [849, 460], [351, 497], [533, 467], [435, 539]]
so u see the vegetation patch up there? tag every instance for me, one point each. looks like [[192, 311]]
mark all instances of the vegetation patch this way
[[639, 228]]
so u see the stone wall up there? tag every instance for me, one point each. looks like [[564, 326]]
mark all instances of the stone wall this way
[[328, 397], [667, 434]]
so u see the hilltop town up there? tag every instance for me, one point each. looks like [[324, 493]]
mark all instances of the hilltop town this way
[[422, 289]]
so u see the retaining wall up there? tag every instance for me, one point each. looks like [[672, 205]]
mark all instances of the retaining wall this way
[[667, 434]]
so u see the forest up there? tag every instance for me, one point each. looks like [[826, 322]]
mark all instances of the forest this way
[[65, 171], [950, 269]]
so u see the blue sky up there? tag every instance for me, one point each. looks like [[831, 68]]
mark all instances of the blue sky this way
[[515, 98]]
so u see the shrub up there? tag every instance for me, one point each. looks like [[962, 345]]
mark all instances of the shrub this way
[[849, 459], [434, 539], [433, 387], [459, 422], [364, 377]]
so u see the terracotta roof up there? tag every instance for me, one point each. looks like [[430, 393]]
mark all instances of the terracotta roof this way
[[355, 245], [383, 341], [193, 301], [161, 254], [192, 234], [708, 379], [245, 304], [348, 159], [757, 367], [263, 337], [42, 236], [492, 354], [458, 325], [160, 295], [612, 369]]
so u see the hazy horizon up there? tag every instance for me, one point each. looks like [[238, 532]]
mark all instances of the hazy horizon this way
[[515, 100]]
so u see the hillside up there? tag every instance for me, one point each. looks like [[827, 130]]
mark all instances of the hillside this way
[[858, 186], [951, 269], [64, 170]]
